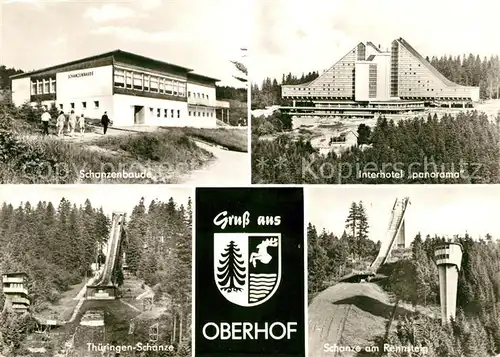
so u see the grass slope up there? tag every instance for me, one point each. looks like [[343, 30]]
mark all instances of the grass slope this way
[[349, 314]]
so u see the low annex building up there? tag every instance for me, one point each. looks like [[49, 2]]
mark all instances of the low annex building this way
[[369, 81], [133, 89]]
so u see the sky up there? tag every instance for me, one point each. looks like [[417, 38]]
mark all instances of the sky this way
[[109, 197], [197, 34], [301, 36], [444, 210]]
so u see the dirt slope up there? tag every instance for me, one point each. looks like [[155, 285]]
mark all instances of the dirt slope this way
[[348, 314]]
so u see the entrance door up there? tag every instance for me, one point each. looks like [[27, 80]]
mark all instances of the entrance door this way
[[139, 117]]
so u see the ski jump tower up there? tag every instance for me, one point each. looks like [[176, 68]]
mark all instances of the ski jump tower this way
[[104, 286], [395, 235], [448, 260]]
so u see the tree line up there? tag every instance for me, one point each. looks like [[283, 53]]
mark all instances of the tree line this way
[[476, 329], [269, 92], [158, 250], [466, 144], [331, 257]]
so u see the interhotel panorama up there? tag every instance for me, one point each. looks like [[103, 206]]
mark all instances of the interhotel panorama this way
[[132, 89], [369, 81]]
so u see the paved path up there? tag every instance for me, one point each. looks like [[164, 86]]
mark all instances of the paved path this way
[[229, 168]]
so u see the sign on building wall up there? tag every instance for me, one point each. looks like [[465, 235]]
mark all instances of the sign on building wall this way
[[249, 272], [85, 83]]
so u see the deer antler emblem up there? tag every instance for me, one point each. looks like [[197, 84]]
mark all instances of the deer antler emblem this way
[[262, 255]]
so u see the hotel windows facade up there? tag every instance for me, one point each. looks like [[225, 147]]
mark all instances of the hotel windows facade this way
[[43, 86], [146, 82]]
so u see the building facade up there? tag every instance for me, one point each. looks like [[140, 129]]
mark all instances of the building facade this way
[[15, 291], [132, 89], [369, 80]]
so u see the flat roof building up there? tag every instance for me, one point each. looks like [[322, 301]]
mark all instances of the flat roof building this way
[[133, 89], [15, 291], [369, 80]]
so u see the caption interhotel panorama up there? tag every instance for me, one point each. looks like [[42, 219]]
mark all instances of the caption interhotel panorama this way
[[369, 81], [132, 89]]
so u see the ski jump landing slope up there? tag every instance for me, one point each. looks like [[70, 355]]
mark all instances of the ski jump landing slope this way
[[394, 231], [348, 314], [112, 251]]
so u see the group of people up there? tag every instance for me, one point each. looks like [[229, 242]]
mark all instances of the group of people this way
[[71, 122]]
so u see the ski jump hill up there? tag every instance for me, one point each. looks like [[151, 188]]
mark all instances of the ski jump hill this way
[[103, 287], [347, 315]]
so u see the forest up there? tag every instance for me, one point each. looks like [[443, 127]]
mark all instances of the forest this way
[[466, 144], [55, 247], [476, 329], [468, 70]]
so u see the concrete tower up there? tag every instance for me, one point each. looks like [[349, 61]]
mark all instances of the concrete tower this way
[[448, 259]]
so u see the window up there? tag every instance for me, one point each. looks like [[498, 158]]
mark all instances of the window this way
[[199, 114], [33, 88], [171, 113], [154, 84], [158, 112], [162, 85], [52, 85], [207, 97], [176, 87], [165, 114], [46, 86], [61, 106], [119, 78], [189, 94], [182, 89], [151, 110], [203, 114], [129, 79], [72, 105], [39, 87], [137, 81], [84, 105], [96, 104], [203, 95], [178, 113], [147, 79], [168, 86], [189, 113]]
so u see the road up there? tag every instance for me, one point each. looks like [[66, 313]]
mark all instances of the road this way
[[228, 168]]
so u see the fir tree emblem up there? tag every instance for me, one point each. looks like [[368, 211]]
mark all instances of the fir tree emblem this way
[[231, 270]]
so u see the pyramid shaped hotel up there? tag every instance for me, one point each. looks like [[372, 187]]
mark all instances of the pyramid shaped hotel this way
[[368, 81]]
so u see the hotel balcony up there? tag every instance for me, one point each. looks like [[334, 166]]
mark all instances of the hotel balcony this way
[[20, 301], [13, 279], [15, 290]]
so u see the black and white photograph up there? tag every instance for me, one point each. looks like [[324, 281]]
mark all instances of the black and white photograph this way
[[133, 91], [374, 92], [403, 270], [95, 270], [249, 272]]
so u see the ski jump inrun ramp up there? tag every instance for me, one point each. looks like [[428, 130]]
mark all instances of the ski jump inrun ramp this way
[[104, 287]]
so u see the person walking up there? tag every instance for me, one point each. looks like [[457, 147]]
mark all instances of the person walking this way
[[72, 123], [61, 119], [45, 121], [81, 124], [105, 122]]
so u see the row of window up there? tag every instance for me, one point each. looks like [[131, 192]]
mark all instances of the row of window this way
[[83, 106], [198, 95], [44, 86], [177, 113], [149, 83], [166, 112]]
